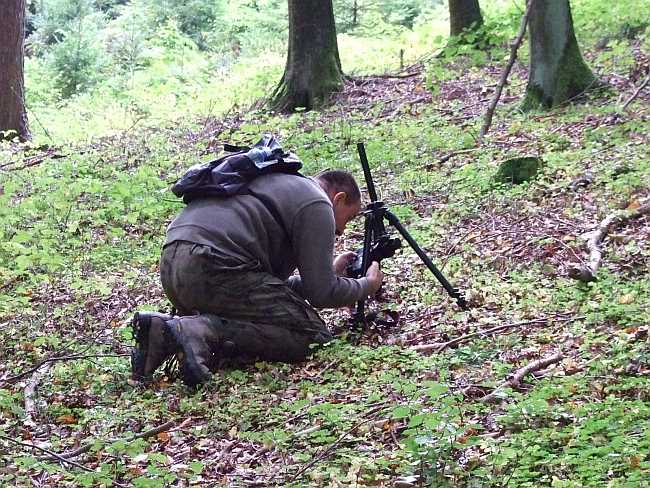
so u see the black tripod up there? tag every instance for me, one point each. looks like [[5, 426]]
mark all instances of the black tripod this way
[[377, 243]]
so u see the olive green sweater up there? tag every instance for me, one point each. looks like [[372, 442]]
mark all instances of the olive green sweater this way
[[245, 236]]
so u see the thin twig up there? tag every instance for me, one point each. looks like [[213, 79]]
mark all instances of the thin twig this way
[[439, 347], [326, 452], [47, 451], [143, 435], [447, 157], [506, 71], [371, 77], [559, 241], [638, 90], [71, 357]]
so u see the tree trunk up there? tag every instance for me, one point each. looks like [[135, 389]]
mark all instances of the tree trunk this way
[[313, 69], [557, 70], [463, 15], [12, 82]]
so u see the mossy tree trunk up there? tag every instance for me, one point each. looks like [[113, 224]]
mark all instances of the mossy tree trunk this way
[[464, 15], [313, 70], [13, 116], [557, 70]]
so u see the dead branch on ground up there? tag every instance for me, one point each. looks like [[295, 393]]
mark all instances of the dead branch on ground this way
[[519, 375], [328, 450], [47, 451], [636, 93], [143, 435], [30, 393], [439, 347], [447, 157], [587, 272]]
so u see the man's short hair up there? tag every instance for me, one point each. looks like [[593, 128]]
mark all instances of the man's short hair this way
[[340, 180]]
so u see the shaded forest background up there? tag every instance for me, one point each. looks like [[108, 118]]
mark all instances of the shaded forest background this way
[[96, 67]]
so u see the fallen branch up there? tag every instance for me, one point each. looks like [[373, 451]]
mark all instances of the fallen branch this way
[[32, 161], [587, 272], [47, 451], [410, 103], [143, 435], [519, 375], [439, 347], [506, 71], [638, 90], [30, 393]]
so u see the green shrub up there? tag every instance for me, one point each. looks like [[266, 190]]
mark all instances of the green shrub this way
[[76, 63]]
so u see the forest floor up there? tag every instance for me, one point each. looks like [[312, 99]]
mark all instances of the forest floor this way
[[543, 382]]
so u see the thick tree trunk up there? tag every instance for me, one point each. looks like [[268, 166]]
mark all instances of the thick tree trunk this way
[[463, 15], [557, 70], [12, 83], [313, 69]]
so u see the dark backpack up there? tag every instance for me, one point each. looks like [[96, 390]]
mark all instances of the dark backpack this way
[[231, 174]]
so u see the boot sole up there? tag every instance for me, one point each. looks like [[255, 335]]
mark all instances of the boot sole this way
[[140, 325]]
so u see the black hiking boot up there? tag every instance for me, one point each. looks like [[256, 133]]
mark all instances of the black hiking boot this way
[[153, 344], [201, 344]]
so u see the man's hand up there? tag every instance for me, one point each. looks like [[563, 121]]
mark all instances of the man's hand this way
[[341, 262], [375, 277]]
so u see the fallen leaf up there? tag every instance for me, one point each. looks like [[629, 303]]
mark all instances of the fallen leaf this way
[[163, 437], [136, 471], [66, 419], [626, 299], [634, 204]]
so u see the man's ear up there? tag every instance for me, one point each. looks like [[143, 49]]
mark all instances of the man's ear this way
[[339, 197]]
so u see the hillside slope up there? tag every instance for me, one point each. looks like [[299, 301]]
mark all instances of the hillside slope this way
[[82, 230]]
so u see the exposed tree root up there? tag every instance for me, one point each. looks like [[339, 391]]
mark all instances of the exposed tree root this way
[[515, 381], [587, 272]]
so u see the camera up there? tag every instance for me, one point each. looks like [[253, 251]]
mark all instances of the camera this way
[[384, 247]]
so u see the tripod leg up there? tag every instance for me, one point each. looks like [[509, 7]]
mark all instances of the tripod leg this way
[[359, 315], [453, 292]]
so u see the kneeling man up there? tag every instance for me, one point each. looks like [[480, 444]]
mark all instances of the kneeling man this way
[[228, 267]]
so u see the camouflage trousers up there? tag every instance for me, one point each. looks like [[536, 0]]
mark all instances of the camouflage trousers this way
[[267, 319]]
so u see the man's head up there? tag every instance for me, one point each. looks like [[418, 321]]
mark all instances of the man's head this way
[[343, 192]]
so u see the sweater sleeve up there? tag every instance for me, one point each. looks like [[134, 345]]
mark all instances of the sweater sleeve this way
[[313, 233]]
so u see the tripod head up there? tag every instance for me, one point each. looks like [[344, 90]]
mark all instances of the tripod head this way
[[381, 244]]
